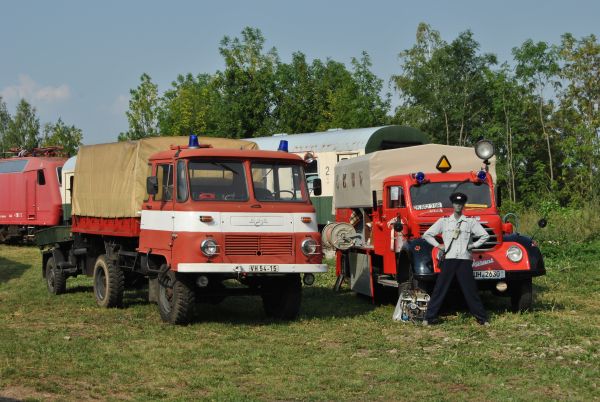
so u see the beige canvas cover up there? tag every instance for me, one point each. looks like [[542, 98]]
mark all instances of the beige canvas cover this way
[[365, 174], [110, 179]]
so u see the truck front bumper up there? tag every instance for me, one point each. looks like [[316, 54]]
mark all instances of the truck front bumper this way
[[219, 268]]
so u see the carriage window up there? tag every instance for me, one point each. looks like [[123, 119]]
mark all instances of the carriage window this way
[[164, 174], [41, 178]]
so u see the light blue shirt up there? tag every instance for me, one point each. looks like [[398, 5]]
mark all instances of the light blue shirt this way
[[458, 233]]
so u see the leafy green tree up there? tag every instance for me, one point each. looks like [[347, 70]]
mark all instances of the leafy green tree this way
[[59, 134], [24, 128], [246, 85], [143, 111], [4, 124], [579, 115], [443, 86], [537, 67], [190, 106]]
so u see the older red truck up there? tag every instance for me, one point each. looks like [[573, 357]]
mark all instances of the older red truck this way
[[390, 198]]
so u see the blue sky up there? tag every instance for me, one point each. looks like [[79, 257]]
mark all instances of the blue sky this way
[[78, 59]]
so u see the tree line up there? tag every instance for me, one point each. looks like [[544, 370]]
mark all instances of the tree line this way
[[23, 131], [541, 109]]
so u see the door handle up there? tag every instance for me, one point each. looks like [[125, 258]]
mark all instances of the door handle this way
[[255, 206]]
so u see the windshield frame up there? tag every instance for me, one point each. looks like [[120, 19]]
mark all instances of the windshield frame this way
[[444, 201], [190, 197], [302, 180]]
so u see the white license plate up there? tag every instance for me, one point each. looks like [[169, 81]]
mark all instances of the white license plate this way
[[263, 268], [492, 274]]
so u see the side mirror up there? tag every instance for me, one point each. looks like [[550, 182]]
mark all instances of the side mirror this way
[[542, 223], [152, 185], [317, 186], [398, 226], [498, 197]]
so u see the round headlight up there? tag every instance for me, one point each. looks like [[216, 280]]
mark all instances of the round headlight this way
[[514, 253], [309, 247], [484, 149], [209, 247]]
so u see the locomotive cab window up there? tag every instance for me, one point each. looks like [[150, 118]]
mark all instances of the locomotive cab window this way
[[41, 178]]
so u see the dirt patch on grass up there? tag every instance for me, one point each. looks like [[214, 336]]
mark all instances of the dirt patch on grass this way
[[19, 393]]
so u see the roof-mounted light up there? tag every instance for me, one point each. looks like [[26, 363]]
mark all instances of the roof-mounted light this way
[[420, 177], [193, 143], [283, 146], [484, 149], [481, 175]]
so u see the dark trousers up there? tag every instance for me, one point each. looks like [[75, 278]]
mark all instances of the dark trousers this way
[[463, 271]]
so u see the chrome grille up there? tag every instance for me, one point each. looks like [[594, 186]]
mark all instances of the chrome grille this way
[[259, 245]]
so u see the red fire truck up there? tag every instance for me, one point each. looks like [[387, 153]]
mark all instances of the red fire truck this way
[[30, 196], [385, 201], [189, 218]]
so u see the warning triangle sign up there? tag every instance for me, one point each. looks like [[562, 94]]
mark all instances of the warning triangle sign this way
[[443, 164]]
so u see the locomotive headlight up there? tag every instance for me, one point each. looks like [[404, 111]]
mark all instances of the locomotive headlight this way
[[309, 247], [514, 253], [484, 149], [209, 247]]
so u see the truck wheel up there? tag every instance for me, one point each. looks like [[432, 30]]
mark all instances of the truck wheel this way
[[56, 280], [282, 297], [521, 295], [109, 283], [175, 299]]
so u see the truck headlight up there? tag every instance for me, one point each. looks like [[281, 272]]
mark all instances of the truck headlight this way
[[309, 247], [209, 247], [514, 253]]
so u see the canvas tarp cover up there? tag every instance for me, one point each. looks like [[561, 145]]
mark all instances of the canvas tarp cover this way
[[110, 179], [357, 178]]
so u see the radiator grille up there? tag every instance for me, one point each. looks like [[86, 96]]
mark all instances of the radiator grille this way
[[259, 245]]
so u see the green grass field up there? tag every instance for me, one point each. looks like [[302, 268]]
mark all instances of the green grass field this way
[[342, 347]]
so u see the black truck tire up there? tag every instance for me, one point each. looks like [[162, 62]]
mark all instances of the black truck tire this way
[[282, 297], [56, 280], [176, 299], [109, 283], [521, 295]]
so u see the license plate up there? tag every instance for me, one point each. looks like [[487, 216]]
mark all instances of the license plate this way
[[264, 268], [492, 274]]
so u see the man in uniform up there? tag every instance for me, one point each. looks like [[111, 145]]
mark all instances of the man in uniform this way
[[455, 259]]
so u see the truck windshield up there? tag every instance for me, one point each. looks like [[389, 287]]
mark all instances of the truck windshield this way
[[217, 181], [437, 195], [278, 182]]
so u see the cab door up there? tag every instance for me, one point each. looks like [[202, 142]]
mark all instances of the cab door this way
[[394, 208], [158, 218], [32, 179]]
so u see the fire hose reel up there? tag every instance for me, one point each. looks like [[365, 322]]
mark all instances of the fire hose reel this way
[[339, 235]]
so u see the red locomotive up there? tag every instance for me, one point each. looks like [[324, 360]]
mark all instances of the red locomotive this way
[[30, 197]]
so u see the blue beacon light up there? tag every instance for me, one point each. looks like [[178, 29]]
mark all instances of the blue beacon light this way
[[481, 175], [193, 143], [420, 177], [283, 146]]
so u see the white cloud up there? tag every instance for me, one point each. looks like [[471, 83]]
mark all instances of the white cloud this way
[[29, 89]]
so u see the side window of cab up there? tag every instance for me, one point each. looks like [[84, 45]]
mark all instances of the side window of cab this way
[[164, 174], [396, 197]]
